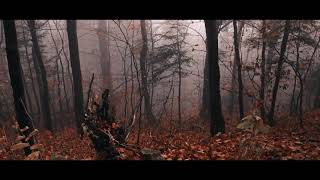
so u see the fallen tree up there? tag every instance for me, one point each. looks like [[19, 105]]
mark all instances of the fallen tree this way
[[106, 133]]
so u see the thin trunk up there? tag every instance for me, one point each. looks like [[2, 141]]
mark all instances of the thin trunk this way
[[233, 86], [301, 102], [278, 71], [217, 121], [109, 74], [132, 86], [262, 66], [292, 101], [234, 69], [126, 85], [132, 76], [152, 68], [58, 88], [237, 58], [53, 108], [76, 72], [45, 99], [204, 112], [139, 122], [171, 114], [293, 104], [179, 75]]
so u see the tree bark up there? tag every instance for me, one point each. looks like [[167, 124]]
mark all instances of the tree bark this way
[[238, 61], [103, 38], [204, 112], [278, 70], [15, 72], [217, 122], [58, 86], [235, 69], [76, 73], [143, 55], [45, 98], [262, 75], [179, 75]]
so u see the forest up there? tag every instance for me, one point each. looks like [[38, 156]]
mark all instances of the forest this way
[[159, 89]]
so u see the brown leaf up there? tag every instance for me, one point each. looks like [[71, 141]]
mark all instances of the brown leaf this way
[[3, 139], [33, 156], [33, 133], [19, 146], [19, 138], [37, 146]]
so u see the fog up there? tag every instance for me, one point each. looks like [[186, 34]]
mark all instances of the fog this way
[[54, 41]]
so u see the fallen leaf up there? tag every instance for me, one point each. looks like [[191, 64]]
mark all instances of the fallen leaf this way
[[19, 146]]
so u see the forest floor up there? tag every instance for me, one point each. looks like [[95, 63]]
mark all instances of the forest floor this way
[[194, 143]]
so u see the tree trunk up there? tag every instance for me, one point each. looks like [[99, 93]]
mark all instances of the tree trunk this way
[[58, 88], [301, 102], [14, 67], [262, 75], [204, 112], [316, 103], [104, 53], [152, 68], [235, 69], [278, 70], [292, 101], [143, 55], [217, 121], [237, 58], [76, 73], [179, 75], [45, 98]]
